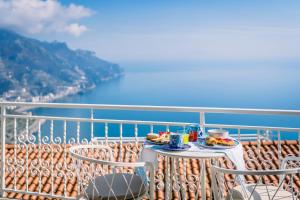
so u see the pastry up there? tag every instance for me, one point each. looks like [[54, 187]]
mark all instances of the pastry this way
[[210, 141], [152, 136], [225, 141], [159, 139]]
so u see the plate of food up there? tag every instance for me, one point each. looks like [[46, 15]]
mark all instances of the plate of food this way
[[160, 139], [219, 143]]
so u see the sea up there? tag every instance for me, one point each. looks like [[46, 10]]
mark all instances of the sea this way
[[242, 84]]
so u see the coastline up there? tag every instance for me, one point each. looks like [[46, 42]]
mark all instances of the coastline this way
[[33, 127], [70, 90]]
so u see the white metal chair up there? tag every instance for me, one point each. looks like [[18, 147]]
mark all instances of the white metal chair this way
[[100, 177], [258, 184]]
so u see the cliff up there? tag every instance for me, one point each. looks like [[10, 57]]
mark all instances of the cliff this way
[[34, 70]]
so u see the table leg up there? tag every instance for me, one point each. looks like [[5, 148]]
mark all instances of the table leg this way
[[171, 176], [167, 179], [203, 180]]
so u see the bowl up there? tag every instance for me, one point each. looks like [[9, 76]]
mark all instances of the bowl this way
[[218, 133]]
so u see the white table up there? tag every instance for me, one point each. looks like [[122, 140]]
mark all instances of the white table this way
[[195, 152]]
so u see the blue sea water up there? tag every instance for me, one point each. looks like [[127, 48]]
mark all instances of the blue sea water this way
[[205, 84]]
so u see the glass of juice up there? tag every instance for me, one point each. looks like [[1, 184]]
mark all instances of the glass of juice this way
[[185, 135], [193, 131]]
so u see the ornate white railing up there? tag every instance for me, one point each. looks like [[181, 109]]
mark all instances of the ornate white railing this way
[[32, 134]]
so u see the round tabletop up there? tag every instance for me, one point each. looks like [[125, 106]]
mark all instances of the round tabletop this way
[[193, 153]]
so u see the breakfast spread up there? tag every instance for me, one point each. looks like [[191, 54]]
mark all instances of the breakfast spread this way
[[216, 138]]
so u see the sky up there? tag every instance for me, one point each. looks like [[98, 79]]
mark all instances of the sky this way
[[163, 30]]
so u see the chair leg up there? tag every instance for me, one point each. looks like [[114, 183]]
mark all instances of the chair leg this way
[[152, 182], [81, 197]]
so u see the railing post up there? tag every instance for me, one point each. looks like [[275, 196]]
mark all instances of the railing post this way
[[92, 124], [2, 138], [202, 122]]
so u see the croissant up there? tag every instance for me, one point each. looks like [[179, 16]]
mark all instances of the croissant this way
[[152, 136], [211, 141]]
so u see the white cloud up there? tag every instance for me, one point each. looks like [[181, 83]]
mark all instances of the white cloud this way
[[76, 29], [40, 16]]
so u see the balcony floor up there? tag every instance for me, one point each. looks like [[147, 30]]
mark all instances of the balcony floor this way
[[192, 167]]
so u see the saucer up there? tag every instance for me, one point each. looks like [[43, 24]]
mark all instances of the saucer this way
[[168, 148]]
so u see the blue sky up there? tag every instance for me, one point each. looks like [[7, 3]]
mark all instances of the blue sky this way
[[177, 30]]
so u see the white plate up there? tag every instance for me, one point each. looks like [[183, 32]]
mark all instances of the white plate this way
[[202, 143], [157, 143]]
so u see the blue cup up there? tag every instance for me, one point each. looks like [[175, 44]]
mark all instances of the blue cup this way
[[176, 140]]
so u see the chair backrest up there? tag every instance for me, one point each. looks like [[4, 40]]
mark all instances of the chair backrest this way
[[96, 163], [290, 162], [227, 184]]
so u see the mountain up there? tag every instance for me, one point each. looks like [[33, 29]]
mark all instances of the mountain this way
[[33, 70]]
